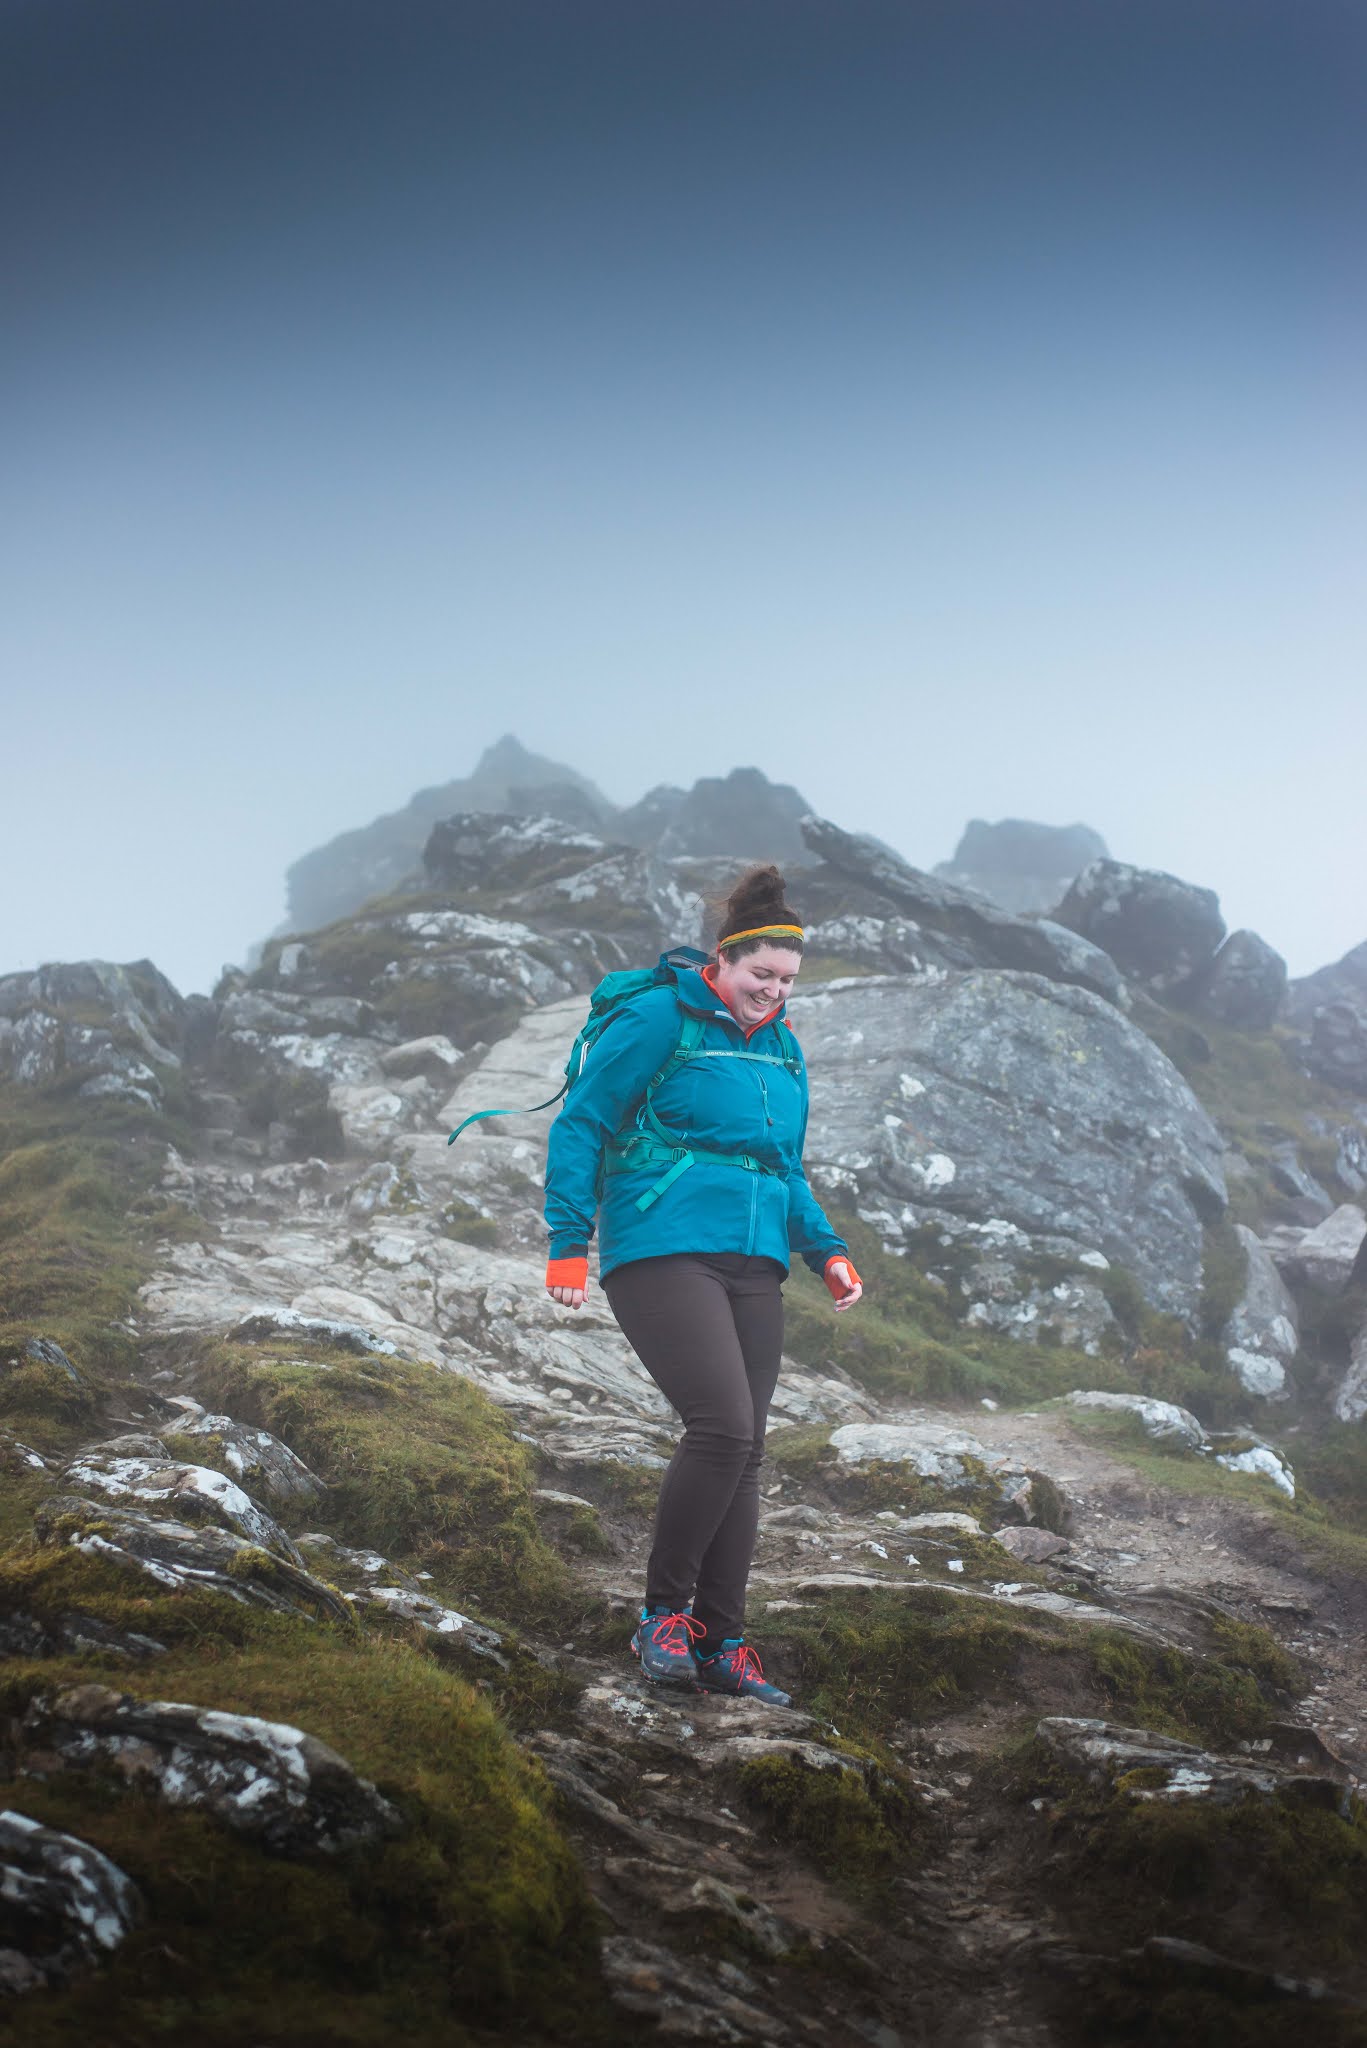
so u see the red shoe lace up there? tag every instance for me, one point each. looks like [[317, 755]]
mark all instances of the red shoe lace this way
[[746, 1664], [664, 1631]]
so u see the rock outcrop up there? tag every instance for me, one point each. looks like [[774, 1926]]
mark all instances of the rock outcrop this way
[[1327, 1256], [41, 1041], [63, 1905], [1262, 1335], [1006, 1096], [185, 1559], [1156, 1767], [739, 816], [118, 1471], [1330, 1008], [954, 927], [336, 879], [1245, 984], [1163, 932], [284, 1788], [1020, 865]]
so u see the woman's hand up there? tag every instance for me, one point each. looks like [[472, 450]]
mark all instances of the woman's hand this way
[[567, 1280], [568, 1297], [844, 1283]]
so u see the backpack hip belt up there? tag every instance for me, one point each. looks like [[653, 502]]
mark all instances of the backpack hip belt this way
[[640, 1151]]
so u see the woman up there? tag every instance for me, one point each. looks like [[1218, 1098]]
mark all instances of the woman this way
[[688, 1124]]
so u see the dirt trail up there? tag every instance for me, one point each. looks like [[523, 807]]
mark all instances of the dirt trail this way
[[1137, 1534]]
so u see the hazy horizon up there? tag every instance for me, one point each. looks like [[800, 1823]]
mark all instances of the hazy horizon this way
[[953, 410]]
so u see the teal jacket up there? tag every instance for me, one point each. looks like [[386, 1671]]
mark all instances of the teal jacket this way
[[734, 1106]]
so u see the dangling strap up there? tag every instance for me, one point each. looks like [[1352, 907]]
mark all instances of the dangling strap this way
[[480, 1114]]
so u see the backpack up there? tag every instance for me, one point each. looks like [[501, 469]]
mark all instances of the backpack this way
[[646, 1142], [613, 992]]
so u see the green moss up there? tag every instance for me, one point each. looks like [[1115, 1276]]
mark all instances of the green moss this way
[[80, 1213], [868, 1659], [627, 1490], [475, 1918], [419, 1464], [1224, 1272], [584, 1533], [1281, 1876], [857, 1828], [462, 1221], [1218, 1699], [1333, 1466]]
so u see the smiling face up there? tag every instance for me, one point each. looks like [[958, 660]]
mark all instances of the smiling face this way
[[758, 982]]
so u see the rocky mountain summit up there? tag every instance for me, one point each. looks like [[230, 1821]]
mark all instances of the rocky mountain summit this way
[[323, 1527], [1021, 865], [740, 815]]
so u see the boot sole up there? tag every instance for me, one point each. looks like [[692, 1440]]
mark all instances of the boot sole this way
[[724, 1692]]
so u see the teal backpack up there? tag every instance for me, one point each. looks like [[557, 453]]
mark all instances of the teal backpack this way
[[646, 1142]]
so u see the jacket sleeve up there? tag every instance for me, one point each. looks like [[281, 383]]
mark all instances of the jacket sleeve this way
[[632, 1049], [809, 1232]]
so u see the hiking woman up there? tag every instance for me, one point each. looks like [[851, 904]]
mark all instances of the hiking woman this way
[[687, 1126]]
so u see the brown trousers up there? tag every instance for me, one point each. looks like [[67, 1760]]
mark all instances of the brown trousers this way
[[708, 1328]]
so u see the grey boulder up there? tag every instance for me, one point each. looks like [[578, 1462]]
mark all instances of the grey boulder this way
[[1164, 1421], [181, 1559], [1262, 1335], [254, 1455], [192, 1492], [1102, 1753], [282, 1787], [971, 929], [44, 1351], [63, 1905], [1244, 985], [1350, 1403], [1344, 981], [1326, 1256], [946, 1456], [1337, 1051], [1159, 930], [1004, 1097]]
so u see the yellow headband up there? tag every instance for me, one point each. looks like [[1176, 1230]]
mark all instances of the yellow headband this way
[[762, 931]]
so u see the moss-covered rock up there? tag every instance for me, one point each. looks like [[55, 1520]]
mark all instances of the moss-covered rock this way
[[475, 1918], [419, 1464], [867, 1659], [857, 1825]]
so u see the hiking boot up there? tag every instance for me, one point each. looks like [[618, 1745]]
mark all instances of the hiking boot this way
[[664, 1644], [735, 1668]]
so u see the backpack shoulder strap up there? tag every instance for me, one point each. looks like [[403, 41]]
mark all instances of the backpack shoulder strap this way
[[792, 1051]]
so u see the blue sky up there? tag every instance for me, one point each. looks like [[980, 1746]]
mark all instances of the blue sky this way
[[955, 410]]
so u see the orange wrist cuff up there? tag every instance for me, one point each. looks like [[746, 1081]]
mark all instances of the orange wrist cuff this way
[[568, 1273], [837, 1288]]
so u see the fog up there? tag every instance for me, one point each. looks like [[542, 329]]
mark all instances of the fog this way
[[952, 410]]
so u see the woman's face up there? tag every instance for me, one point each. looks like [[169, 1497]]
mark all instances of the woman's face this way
[[758, 982]]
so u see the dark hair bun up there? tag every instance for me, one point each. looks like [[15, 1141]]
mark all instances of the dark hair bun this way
[[758, 898]]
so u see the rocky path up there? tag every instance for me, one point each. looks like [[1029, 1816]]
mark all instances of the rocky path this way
[[964, 1949]]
